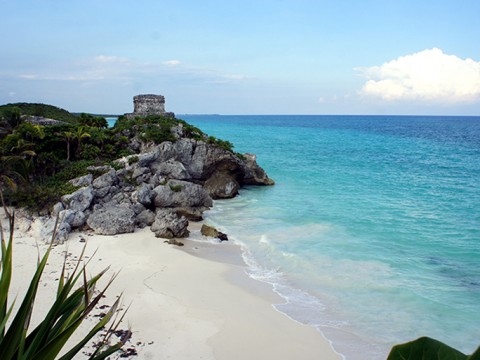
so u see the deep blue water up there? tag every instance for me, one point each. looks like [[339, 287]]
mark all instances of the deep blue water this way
[[372, 231]]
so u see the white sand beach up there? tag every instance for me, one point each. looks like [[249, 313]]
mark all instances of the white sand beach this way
[[191, 302]]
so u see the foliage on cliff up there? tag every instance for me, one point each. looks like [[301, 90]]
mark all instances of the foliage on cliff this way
[[48, 111], [36, 161]]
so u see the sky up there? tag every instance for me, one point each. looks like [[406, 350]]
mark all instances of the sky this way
[[403, 57]]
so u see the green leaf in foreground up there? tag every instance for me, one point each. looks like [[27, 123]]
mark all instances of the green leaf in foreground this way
[[72, 305], [426, 348]]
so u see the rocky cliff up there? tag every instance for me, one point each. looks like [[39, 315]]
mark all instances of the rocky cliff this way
[[162, 186]]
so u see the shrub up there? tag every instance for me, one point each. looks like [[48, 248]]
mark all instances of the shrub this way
[[176, 188], [133, 159]]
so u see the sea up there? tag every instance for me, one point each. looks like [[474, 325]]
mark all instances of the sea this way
[[371, 233]]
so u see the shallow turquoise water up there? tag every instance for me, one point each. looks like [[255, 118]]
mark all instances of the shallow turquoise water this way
[[372, 231]]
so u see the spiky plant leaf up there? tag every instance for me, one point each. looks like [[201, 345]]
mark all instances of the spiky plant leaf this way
[[426, 348]]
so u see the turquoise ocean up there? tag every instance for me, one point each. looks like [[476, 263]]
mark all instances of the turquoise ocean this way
[[372, 231]]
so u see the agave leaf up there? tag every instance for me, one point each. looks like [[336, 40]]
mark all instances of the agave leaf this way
[[427, 349], [13, 336], [52, 348], [61, 280], [5, 279], [5, 319], [62, 309], [92, 332], [103, 355]]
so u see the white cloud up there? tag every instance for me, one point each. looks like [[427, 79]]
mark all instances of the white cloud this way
[[28, 76], [102, 68], [429, 75], [108, 59], [171, 62]]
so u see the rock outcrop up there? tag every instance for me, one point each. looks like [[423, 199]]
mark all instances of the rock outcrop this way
[[169, 225], [112, 220], [162, 186]]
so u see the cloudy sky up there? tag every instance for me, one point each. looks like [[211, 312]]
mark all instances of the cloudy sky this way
[[244, 57]]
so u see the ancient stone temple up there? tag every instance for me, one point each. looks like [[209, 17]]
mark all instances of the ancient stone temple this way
[[149, 104]]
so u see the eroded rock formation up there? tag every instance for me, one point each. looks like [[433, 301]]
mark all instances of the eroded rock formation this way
[[162, 186]]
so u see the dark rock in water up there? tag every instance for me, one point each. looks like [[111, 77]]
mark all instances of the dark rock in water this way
[[169, 225], [112, 220], [222, 236], [210, 231]]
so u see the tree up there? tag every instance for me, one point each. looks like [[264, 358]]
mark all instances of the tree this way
[[9, 121], [78, 136], [11, 167], [93, 121], [68, 136]]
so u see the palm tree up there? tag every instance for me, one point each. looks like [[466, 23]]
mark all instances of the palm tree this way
[[10, 176], [79, 135], [68, 136]]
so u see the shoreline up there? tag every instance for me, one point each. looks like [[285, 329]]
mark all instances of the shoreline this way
[[192, 302]]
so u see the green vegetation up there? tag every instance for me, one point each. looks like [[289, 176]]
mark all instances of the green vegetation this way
[[48, 111], [224, 144], [37, 161], [429, 349], [132, 160], [70, 307], [176, 188]]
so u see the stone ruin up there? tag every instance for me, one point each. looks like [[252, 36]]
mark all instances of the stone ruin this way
[[149, 104]]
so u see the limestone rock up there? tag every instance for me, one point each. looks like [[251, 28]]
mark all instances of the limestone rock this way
[[106, 180], [112, 220], [222, 186], [57, 208], [145, 218], [62, 231], [79, 200], [254, 174], [82, 180], [191, 213], [73, 218], [144, 194], [138, 208], [177, 193], [172, 169], [169, 225]]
